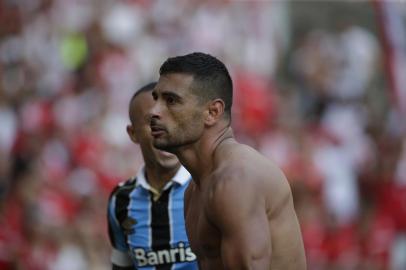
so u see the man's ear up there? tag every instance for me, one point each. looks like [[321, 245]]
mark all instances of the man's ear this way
[[215, 111], [132, 134]]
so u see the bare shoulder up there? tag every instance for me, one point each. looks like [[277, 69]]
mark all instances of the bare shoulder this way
[[246, 172]]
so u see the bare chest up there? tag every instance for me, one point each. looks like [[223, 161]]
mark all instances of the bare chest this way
[[204, 238]]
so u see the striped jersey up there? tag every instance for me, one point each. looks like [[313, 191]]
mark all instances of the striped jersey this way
[[148, 230]]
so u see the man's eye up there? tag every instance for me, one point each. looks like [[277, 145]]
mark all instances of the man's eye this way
[[154, 96], [170, 100]]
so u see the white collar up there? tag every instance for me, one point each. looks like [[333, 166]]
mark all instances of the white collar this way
[[181, 177]]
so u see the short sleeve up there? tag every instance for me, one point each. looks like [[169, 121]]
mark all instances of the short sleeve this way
[[119, 255]]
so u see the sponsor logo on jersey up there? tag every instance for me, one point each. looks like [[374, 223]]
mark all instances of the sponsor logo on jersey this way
[[128, 224], [180, 253]]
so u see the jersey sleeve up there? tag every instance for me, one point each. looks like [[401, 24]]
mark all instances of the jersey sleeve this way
[[119, 256]]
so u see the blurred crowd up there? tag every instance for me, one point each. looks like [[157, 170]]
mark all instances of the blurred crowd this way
[[316, 103]]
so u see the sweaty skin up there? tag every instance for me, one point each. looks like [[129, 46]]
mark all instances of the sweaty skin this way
[[239, 210]]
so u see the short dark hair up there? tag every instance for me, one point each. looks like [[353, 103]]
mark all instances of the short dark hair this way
[[210, 76], [146, 88]]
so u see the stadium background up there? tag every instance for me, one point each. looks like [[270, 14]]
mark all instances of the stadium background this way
[[314, 90]]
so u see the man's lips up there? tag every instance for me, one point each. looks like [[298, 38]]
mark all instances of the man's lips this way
[[157, 130]]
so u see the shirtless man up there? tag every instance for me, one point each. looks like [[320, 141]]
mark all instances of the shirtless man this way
[[238, 208]]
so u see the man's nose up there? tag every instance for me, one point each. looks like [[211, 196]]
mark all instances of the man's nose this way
[[155, 111]]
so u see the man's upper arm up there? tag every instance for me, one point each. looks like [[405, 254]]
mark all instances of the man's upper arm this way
[[119, 256], [240, 215]]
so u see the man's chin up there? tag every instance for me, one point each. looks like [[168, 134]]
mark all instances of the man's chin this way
[[164, 147], [166, 154]]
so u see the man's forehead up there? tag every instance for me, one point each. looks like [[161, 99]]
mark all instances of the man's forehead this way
[[142, 103], [174, 81], [142, 98]]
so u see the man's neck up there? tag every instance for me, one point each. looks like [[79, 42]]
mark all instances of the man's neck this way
[[157, 176], [198, 157]]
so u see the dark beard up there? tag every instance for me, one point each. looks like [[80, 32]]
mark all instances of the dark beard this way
[[166, 147], [173, 147]]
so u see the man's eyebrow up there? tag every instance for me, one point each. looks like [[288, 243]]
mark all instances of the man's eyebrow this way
[[171, 94]]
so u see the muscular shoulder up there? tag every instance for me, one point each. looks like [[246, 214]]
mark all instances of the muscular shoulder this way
[[234, 185], [251, 175], [229, 197]]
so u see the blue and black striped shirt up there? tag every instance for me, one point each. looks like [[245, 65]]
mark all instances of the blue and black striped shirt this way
[[146, 230]]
